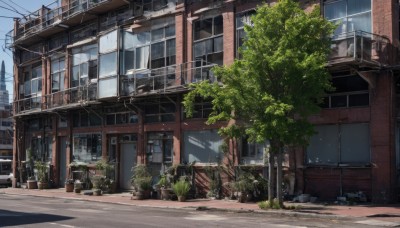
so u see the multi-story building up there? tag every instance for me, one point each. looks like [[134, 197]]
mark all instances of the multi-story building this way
[[6, 134], [104, 79]]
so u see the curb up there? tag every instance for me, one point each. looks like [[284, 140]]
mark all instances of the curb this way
[[200, 208]]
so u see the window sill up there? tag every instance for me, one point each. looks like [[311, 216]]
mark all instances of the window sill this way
[[340, 165]]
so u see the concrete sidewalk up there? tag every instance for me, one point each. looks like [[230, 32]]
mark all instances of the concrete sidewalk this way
[[388, 213]]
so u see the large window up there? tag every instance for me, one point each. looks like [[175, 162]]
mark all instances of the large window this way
[[86, 147], [163, 111], [351, 14], [33, 80], [108, 64], [340, 144], [208, 46], [242, 19], [85, 119], [84, 65], [252, 153], [202, 146], [41, 148], [57, 74], [148, 49], [160, 147], [350, 91], [121, 118]]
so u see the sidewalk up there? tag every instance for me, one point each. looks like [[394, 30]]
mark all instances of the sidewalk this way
[[389, 213]]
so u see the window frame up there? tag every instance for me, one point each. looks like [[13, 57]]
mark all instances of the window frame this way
[[60, 74], [197, 43]]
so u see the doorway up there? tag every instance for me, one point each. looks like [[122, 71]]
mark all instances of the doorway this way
[[127, 161], [63, 160]]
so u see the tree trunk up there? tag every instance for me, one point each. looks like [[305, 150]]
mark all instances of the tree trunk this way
[[279, 194], [271, 177]]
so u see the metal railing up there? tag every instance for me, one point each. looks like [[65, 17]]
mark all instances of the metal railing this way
[[360, 46], [32, 103], [47, 17], [143, 82], [81, 94]]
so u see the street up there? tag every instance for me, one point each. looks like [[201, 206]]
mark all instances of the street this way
[[27, 211]]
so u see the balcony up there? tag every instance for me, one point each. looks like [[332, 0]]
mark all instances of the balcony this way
[[171, 79], [53, 19], [359, 48]]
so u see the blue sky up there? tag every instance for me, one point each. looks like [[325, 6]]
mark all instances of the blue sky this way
[[6, 24]]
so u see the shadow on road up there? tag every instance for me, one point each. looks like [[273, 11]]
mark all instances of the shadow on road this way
[[12, 218]]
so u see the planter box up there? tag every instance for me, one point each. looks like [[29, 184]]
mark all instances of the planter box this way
[[32, 184], [69, 187]]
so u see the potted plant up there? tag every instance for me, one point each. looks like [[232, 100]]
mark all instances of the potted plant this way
[[165, 186], [42, 172], [141, 181], [31, 183], [98, 183], [181, 189], [244, 186], [107, 170], [69, 185]]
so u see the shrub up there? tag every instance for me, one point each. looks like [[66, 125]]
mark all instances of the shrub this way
[[181, 188]]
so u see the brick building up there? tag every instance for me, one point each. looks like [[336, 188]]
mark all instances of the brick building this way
[[104, 79]]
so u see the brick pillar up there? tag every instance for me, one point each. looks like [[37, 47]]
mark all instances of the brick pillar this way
[[179, 41], [15, 154], [189, 45], [228, 15], [382, 134], [177, 133], [385, 19], [141, 143], [55, 153]]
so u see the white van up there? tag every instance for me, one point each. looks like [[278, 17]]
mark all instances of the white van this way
[[5, 172]]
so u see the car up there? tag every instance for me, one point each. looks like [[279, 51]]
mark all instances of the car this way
[[6, 174]]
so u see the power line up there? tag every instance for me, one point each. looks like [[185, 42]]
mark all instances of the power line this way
[[19, 6], [10, 6], [15, 11], [7, 17]]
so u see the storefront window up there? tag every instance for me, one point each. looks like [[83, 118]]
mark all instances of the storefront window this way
[[86, 148]]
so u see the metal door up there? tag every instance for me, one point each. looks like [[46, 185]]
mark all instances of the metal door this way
[[127, 161], [63, 160]]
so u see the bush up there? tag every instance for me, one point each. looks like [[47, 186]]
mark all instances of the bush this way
[[181, 188], [141, 178], [41, 168]]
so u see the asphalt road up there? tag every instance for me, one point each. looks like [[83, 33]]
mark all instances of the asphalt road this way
[[27, 211]]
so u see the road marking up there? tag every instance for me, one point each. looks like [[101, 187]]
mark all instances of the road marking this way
[[291, 226], [86, 210], [373, 222], [63, 225], [206, 218]]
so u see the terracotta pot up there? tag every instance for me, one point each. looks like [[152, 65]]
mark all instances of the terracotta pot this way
[[32, 184], [166, 194], [42, 185], [69, 187], [181, 198], [97, 192]]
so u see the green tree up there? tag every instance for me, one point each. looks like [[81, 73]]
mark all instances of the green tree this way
[[276, 86]]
